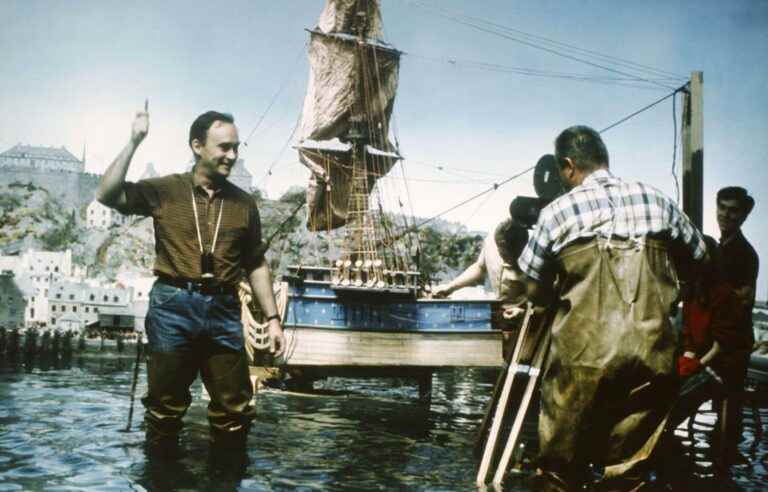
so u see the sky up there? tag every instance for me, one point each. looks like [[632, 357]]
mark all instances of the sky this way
[[74, 73]]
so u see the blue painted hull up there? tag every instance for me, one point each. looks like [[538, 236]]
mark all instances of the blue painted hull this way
[[317, 305]]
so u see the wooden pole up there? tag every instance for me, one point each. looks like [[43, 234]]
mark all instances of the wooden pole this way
[[693, 149]]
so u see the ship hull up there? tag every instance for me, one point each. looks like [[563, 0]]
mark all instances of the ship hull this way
[[357, 349], [330, 328]]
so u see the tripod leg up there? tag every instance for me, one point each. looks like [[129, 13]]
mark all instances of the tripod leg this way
[[493, 436], [533, 378]]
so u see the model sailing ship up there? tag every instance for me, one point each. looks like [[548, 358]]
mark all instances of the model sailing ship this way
[[366, 308]]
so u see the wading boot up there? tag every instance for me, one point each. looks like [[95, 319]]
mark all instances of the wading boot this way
[[161, 445], [228, 453], [169, 376], [225, 375]]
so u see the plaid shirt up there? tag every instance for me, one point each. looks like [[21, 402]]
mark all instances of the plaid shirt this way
[[604, 206]]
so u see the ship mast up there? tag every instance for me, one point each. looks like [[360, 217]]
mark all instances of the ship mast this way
[[345, 143], [360, 258]]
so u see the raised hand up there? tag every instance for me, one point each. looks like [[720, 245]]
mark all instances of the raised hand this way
[[141, 124]]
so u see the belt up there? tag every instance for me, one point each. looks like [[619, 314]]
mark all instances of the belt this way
[[201, 286]]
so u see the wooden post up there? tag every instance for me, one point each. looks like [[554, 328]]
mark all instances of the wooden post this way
[[693, 149]]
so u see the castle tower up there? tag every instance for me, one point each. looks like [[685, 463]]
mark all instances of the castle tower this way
[[41, 158], [240, 176], [149, 172]]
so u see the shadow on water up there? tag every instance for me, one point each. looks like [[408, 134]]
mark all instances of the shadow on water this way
[[62, 422]]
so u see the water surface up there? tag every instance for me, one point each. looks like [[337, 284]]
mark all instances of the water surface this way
[[62, 423]]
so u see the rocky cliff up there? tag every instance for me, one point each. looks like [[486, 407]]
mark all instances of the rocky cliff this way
[[31, 217]]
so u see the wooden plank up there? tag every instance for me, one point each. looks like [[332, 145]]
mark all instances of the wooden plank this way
[[319, 347]]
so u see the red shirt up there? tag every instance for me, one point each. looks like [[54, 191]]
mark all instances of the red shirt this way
[[720, 317]]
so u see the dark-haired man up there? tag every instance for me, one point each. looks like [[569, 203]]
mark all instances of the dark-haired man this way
[[207, 237], [738, 266], [604, 247]]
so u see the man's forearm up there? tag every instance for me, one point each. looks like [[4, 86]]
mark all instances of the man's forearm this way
[[111, 185], [474, 275], [706, 358], [261, 283]]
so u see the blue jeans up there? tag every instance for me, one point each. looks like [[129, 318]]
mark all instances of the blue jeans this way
[[191, 333], [180, 320]]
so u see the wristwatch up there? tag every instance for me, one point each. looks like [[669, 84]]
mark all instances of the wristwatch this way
[[274, 316]]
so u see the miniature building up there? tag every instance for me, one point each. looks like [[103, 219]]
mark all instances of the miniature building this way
[[12, 301], [84, 300], [99, 216], [70, 322], [53, 264], [116, 320], [41, 158], [140, 285]]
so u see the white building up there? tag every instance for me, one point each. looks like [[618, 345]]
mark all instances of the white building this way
[[99, 216], [84, 300], [55, 265], [140, 285], [34, 272], [69, 322]]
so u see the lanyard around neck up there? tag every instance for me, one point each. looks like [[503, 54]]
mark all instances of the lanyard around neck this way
[[197, 224]]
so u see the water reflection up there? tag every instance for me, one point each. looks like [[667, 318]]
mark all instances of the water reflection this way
[[61, 423]]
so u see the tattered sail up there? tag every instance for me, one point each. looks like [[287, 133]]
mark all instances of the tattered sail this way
[[353, 74]]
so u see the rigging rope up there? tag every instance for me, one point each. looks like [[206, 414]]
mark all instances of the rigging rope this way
[[495, 187], [674, 150], [644, 108], [543, 48], [633, 82], [498, 185], [279, 155], [280, 89], [620, 61]]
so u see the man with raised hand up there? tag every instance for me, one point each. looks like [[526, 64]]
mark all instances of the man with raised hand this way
[[207, 238], [603, 252]]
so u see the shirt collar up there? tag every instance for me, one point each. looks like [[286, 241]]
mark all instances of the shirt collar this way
[[216, 193], [736, 236], [601, 175]]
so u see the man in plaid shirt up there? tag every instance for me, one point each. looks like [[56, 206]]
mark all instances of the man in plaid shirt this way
[[605, 249]]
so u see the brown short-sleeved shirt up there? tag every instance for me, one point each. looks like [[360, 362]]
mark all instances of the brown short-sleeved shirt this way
[[168, 200]]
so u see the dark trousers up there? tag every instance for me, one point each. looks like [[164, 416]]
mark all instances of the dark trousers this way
[[189, 334], [727, 400]]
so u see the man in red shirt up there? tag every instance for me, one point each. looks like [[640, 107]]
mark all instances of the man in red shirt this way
[[738, 267], [717, 335]]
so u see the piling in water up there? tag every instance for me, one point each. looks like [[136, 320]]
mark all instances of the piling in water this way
[[30, 342]]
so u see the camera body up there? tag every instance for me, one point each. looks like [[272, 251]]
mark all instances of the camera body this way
[[525, 210]]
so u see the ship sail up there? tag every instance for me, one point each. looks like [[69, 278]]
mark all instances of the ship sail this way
[[351, 91]]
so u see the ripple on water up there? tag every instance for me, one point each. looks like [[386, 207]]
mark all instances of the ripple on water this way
[[353, 434], [26, 471]]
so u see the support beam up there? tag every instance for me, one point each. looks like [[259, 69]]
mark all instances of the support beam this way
[[693, 149]]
